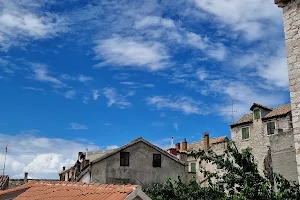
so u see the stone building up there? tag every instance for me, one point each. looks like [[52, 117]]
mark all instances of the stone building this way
[[291, 20], [269, 133], [138, 162], [218, 145]]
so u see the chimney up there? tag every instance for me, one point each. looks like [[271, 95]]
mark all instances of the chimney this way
[[177, 146], [79, 155], [173, 151], [184, 145], [86, 162], [64, 168], [25, 177], [172, 142], [206, 141], [86, 154]]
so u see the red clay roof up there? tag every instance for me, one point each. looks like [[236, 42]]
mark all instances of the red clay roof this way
[[3, 181], [63, 190]]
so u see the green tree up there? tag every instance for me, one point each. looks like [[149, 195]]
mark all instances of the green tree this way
[[241, 179]]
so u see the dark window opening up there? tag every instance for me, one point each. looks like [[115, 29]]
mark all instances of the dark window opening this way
[[156, 160], [124, 158], [270, 128]]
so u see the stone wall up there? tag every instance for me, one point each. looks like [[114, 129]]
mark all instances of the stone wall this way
[[218, 149], [283, 155], [281, 145], [140, 170], [291, 15]]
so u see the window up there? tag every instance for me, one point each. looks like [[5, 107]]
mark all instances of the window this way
[[156, 160], [245, 133], [124, 158], [193, 167], [256, 114], [270, 128]]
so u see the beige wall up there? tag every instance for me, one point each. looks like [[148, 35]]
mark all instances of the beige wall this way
[[291, 15], [140, 170], [281, 145], [217, 148]]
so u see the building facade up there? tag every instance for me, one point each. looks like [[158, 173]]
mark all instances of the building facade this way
[[138, 162], [218, 145], [291, 20], [269, 134]]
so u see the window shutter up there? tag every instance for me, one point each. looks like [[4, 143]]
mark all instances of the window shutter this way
[[193, 167]]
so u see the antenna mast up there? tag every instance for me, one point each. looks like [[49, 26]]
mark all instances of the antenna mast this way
[[232, 111], [5, 159]]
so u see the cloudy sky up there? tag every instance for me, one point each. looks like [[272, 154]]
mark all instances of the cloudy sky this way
[[98, 74]]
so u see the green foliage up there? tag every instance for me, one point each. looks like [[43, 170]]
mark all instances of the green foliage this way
[[240, 176]]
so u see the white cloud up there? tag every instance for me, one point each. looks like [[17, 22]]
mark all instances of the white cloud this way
[[248, 16], [154, 21], [22, 21], [80, 78], [76, 126], [112, 147], [176, 126], [41, 73], [85, 100], [95, 94], [107, 124], [115, 99], [131, 53], [70, 94], [187, 105], [33, 89], [41, 157], [202, 74], [214, 50], [137, 84]]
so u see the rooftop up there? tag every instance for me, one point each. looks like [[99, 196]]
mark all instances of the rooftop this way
[[275, 112], [199, 144], [61, 190]]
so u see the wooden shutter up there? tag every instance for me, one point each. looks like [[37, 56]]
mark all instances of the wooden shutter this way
[[193, 167]]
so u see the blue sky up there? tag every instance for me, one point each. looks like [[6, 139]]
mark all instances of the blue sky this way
[[98, 74]]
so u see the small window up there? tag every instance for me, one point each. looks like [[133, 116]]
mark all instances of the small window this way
[[270, 128], [124, 158], [156, 160], [256, 114], [193, 167], [245, 133]]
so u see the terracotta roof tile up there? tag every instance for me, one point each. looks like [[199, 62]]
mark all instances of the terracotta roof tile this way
[[199, 144], [38, 190], [260, 105], [3, 181], [275, 112], [279, 111]]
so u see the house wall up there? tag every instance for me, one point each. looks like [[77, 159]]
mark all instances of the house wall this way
[[218, 149], [291, 19], [140, 170], [284, 155], [281, 145]]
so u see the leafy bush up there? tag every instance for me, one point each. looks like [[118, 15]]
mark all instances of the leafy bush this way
[[241, 179]]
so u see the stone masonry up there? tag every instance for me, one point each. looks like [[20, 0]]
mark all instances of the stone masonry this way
[[291, 19]]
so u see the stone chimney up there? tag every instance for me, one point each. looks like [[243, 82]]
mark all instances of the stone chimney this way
[[177, 146], [184, 145], [79, 155], [25, 177], [206, 141], [291, 21], [86, 162], [64, 168]]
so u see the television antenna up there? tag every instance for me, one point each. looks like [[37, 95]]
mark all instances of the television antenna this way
[[232, 111], [3, 170]]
